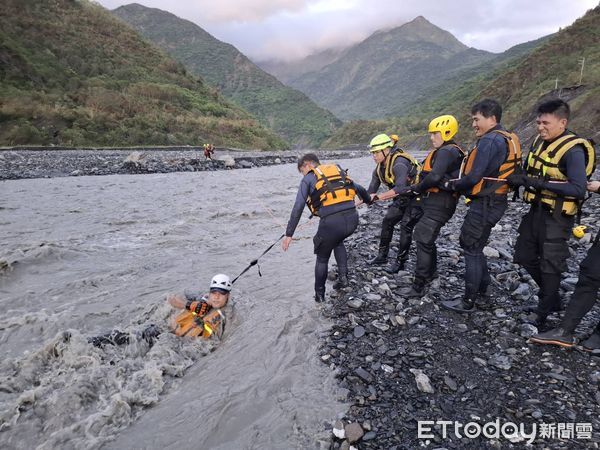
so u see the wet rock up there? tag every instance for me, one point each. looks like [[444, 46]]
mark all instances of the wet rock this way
[[373, 297], [362, 373], [491, 252], [353, 432], [359, 331], [228, 161], [338, 430], [380, 325], [450, 383], [422, 380], [500, 361], [355, 303]]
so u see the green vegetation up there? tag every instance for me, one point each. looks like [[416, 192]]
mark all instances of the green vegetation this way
[[288, 112], [517, 79], [72, 74]]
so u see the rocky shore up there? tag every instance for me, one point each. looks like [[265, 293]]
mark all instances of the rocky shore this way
[[402, 361], [18, 163]]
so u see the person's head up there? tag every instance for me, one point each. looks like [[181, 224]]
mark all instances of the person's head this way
[[486, 115], [552, 119], [442, 129], [380, 147], [220, 287], [307, 162]]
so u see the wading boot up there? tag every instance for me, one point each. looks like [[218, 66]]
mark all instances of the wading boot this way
[[341, 282], [417, 290], [536, 319], [592, 344], [381, 257], [398, 265], [556, 336], [461, 305], [319, 296]]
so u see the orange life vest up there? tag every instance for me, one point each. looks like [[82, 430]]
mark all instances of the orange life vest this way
[[487, 185], [429, 161], [191, 324], [333, 186]]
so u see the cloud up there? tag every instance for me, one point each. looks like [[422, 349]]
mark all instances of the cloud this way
[[293, 28]]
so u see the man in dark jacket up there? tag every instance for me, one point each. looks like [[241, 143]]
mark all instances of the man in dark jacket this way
[[395, 169], [555, 179], [329, 193]]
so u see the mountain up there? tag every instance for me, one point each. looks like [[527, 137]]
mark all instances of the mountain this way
[[521, 78], [72, 74], [287, 111], [389, 70]]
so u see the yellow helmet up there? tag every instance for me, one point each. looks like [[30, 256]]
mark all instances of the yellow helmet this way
[[394, 137], [380, 142], [579, 231], [447, 125]]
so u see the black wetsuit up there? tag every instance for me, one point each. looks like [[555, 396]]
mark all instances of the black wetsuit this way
[[542, 247], [336, 223], [438, 207], [404, 208], [484, 212]]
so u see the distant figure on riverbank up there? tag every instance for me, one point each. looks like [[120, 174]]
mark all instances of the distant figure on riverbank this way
[[203, 316], [209, 149]]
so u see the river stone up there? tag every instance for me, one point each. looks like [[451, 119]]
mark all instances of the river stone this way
[[338, 430], [373, 297], [380, 325], [359, 331], [422, 380], [362, 373], [491, 252], [228, 161], [355, 303], [353, 432]]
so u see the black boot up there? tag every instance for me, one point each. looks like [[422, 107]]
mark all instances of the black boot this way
[[556, 336], [417, 290], [536, 319], [398, 265], [319, 296], [382, 256], [461, 305], [592, 344], [341, 282]]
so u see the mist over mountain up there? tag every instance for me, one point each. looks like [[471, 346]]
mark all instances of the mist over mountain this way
[[287, 111]]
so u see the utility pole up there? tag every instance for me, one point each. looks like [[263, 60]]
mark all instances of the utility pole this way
[[556, 84], [582, 62]]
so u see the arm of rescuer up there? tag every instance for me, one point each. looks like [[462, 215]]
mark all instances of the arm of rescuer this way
[[401, 169], [489, 146], [443, 160], [573, 166], [594, 186], [301, 196]]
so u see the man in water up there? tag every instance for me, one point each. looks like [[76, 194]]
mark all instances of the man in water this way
[[202, 316]]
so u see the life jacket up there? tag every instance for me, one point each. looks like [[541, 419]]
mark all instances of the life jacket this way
[[430, 160], [191, 324], [543, 162], [385, 169], [333, 186], [488, 185]]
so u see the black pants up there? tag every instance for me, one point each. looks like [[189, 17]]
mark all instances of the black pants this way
[[586, 291], [542, 250], [330, 237], [149, 334], [438, 208], [483, 214], [407, 211]]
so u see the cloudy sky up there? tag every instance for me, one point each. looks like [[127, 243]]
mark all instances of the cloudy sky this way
[[288, 29]]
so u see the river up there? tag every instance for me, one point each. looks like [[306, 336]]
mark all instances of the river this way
[[91, 254]]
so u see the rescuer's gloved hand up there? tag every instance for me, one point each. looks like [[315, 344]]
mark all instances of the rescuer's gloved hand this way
[[516, 180], [534, 183]]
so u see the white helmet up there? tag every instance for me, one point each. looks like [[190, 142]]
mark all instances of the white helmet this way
[[220, 281]]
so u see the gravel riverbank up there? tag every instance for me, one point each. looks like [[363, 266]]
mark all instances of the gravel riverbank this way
[[402, 361], [17, 163]]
